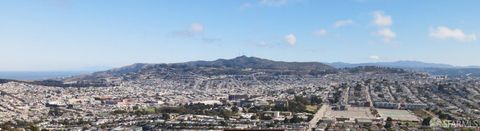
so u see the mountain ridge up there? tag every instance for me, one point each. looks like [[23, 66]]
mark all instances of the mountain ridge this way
[[418, 66], [237, 65]]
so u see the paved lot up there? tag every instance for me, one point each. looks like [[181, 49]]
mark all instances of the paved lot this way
[[352, 112], [403, 115]]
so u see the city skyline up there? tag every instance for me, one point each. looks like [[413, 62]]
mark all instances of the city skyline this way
[[63, 34]]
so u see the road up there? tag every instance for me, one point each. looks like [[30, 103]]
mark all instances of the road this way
[[320, 113], [346, 95], [369, 98]]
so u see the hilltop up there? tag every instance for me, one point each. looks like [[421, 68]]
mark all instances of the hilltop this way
[[236, 66]]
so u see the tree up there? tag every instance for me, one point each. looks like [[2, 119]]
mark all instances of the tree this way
[[7, 125], [263, 117], [286, 121], [119, 112], [443, 116], [55, 112], [226, 114], [426, 121], [310, 117], [316, 100], [223, 123], [34, 128], [254, 117], [166, 116], [374, 111], [467, 129], [296, 119], [301, 100], [103, 126], [389, 119], [235, 109], [389, 123]]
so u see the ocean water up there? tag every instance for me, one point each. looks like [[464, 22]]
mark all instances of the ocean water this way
[[31, 75]]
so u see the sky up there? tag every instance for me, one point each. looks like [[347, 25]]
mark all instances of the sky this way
[[43, 35]]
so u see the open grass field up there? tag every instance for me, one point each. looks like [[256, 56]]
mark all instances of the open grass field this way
[[312, 108]]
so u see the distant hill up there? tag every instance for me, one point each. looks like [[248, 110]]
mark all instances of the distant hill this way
[[452, 72], [396, 64], [243, 65], [431, 68], [6, 81], [258, 63], [235, 66], [472, 66]]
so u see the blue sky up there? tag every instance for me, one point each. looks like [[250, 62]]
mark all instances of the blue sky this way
[[38, 35]]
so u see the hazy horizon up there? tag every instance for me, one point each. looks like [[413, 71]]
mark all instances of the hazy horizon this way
[[89, 69], [52, 74]]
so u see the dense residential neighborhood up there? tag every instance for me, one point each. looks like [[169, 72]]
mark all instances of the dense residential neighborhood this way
[[168, 97]]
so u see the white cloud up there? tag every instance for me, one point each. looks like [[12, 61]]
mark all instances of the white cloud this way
[[268, 3], [443, 32], [194, 30], [320, 32], [211, 40], [246, 5], [374, 57], [342, 23], [387, 34], [197, 28], [263, 44], [273, 2], [381, 19], [384, 22], [291, 39]]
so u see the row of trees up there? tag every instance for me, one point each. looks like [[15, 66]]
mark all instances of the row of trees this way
[[12, 126], [298, 104]]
